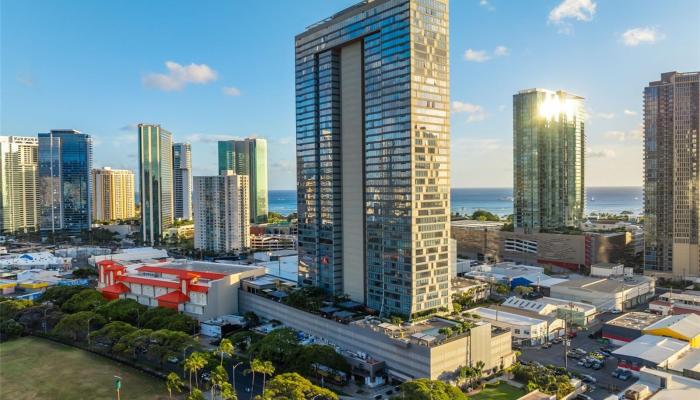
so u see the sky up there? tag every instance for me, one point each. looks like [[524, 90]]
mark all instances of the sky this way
[[212, 70]]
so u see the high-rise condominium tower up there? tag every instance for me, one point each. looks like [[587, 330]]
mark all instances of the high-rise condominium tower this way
[[221, 212], [373, 163], [548, 160], [65, 184], [156, 181], [113, 194], [182, 180], [248, 157], [671, 176], [19, 199]]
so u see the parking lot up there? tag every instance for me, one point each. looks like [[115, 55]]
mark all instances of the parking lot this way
[[606, 383]]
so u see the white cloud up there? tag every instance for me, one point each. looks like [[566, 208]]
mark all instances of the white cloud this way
[[634, 134], [645, 35], [231, 91], [178, 76], [476, 55], [475, 111], [602, 153], [487, 5], [483, 55], [210, 138], [605, 115], [501, 51], [581, 10], [630, 112]]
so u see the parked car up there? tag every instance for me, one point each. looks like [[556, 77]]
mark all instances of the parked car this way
[[571, 334], [582, 362], [173, 360], [588, 379], [581, 351], [597, 365], [557, 340], [546, 345], [615, 311], [588, 363], [624, 375], [583, 397]]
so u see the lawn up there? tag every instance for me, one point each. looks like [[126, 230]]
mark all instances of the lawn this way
[[33, 368], [502, 391]]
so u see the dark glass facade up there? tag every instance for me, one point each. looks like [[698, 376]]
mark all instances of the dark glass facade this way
[[394, 53], [156, 181], [65, 186], [248, 157]]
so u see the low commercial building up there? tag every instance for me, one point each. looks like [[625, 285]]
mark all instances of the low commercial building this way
[[570, 251], [686, 302], [221, 326], [202, 290], [662, 385], [132, 256], [609, 270], [407, 352], [527, 328], [684, 327], [39, 260], [471, 289], [627, 327], [507, 273], [270, 242], [652, 352], [574, 313], [607, 293]]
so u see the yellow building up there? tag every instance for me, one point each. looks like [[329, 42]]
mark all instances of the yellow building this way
[[685, 327], [113, 194]]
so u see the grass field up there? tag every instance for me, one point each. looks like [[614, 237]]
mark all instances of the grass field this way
[[33, 368], [502, 391]]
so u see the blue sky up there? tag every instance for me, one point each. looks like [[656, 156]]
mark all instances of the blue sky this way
[[100, 67]]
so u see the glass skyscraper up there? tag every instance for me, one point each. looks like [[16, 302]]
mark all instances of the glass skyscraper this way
[[65, 184], [672, 175], [182, 180], [248, 157], [548, 160], [156, 181], [373, 163]]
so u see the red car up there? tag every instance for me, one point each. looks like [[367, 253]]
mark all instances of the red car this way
[[571, 334]]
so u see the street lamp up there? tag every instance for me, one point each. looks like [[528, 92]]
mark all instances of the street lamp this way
[[88, 330], [233, 374], [184, 355]]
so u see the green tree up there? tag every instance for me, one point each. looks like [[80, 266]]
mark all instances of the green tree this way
[[85, 300], [9, 309], [218, 377], [196, 394], [60, 294], [292, 386], [318, 354], [75, 326], [500, 288], [127, 310], [457, 308], [133, 342], [425, 389], [483, 215], [279, 346], [193, 364], [164, 343], [227, 392], [522, 290], [173, 383], [10, 329], [225, 348], [112, 332]]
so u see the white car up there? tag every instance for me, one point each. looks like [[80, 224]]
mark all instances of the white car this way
[[615, 311], [589, 379]]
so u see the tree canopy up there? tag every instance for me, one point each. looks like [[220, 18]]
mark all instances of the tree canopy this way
[[426, 389], [293, 386], [85, 300], [60, 294], [483, 215]]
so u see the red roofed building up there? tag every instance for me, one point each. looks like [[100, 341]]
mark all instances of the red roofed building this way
[[200, 289]]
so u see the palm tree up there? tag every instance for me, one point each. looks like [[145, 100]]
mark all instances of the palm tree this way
[[267, 369], [225, 347], [227, 392], [218, 377], [479, 369], [255, 366], [196, 394], [193, 364], [173, 382]]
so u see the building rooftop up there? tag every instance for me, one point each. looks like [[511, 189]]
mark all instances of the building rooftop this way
[[687, 295], [690, 361], [575, 305], [476, 224], [604, 285], [465, 283], [511, 318], [634, 320], [685, 325], [655, 349]]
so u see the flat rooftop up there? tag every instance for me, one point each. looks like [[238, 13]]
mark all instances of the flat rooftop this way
[[604, 285], [655, 349], [203, 266], [634, 320], [476, 224], [508, 317]]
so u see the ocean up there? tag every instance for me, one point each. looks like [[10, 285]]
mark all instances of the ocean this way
[[500, 201]]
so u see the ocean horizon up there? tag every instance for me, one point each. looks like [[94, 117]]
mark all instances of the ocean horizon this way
[[499, 200]]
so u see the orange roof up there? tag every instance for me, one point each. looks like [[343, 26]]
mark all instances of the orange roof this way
[[117, 288], [174, 297], [147, 281]]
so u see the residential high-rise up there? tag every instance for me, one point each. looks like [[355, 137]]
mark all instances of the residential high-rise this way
[[248, 157], [65, 184], [373, 162], [671, 176], [155, 181], [113, 194], [19, 199], [548, 160], [182, 180], [221, 212]]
